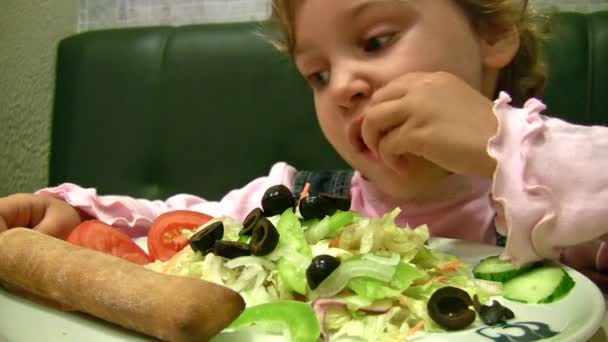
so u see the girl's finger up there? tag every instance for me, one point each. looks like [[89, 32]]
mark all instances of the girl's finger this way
[[58, 220], [16, 210], [54, 227], [397, 88], [381, 119], [3, 225], [391, 91], [394, 146]]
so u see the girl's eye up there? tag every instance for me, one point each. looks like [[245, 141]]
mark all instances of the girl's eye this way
[[377, 43], [319, 79]]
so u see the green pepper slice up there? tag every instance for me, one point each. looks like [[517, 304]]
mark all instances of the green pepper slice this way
[[299, 318]]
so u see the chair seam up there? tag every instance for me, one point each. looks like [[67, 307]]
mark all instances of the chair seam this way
[[590, 63]]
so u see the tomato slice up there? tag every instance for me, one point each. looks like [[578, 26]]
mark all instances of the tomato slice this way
[[165, 237], [102, 237]]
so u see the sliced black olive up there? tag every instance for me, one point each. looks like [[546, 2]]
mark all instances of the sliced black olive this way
[[231, 249], [320, 268], [492, 314], [277, 199], [449, 307], [204, 239], [508, 314], [340, 202], [264, 238], [250, 221], [316, 207]]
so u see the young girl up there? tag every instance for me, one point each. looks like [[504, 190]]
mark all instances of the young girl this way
[[403, 91]]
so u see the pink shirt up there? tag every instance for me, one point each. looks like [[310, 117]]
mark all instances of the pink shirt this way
[[547, 192], [550, 186]]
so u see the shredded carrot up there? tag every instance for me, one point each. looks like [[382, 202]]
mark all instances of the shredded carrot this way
[[450, 266], [416, 327], [439, 278], [403, 301], [335, 243], [171, 262], [346, 292], [304, 193], [420, 281]]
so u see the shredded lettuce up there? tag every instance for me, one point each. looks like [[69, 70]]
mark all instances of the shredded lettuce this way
[[293, 254], [350, 269], [379, 292], [330, 226], [370, 288]]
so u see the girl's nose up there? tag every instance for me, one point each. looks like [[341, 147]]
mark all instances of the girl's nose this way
[[350, 89]]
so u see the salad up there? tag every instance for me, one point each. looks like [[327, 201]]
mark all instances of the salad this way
[[315, 271]]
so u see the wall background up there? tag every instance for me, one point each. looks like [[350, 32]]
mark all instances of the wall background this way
[[573, 5], [30, 31], [96, 14]]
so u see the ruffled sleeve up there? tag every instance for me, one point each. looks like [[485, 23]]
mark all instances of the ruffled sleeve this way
[[550, 187], [135, 216]]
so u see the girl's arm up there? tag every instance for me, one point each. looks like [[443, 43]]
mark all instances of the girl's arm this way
[[135, 216], [550, 187]]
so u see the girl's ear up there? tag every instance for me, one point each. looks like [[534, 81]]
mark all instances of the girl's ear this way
[[499, 48]]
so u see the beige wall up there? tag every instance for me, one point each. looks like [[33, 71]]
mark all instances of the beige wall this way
[[29, 32]]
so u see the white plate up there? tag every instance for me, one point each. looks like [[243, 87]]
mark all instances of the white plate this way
[[574, 318]]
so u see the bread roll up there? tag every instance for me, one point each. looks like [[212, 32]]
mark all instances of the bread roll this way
[[167, 307]]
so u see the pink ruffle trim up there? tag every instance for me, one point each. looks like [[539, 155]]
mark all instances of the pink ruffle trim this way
[[515, 189], [97, 206]]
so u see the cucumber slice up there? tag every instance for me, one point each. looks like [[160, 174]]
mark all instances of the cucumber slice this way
[[541, 285], [494, 269]]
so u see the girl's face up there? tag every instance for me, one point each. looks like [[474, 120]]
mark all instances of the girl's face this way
[[347, 49]]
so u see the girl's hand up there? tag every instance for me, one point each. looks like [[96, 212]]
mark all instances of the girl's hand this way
[[583, 259], [45, 214], [436, 116]]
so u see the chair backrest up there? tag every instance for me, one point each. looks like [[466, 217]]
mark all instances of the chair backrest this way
[[203, 109], [577, 56]]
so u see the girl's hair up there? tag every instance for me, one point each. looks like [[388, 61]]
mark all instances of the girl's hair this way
[[523, 78]]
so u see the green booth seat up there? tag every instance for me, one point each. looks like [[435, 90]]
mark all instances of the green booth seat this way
[[203, 109]]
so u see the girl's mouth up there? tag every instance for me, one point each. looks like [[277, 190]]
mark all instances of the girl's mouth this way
[[356, 139]]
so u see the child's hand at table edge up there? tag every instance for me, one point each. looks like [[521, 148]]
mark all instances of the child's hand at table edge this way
[[43, 213], [583, 259], [599, 278]]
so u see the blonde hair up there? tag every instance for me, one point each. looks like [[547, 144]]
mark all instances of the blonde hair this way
[[523, 78]]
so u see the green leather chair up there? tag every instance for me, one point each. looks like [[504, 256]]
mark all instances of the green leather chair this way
[[203, 109], [577, 55]]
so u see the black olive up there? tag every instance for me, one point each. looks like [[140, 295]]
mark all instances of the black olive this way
[[264, 238], [492, 314], [449, 307], [340, 202], [231, 249], [320, 268], [277, 199], [204, 239], [316, 207], [250, 221]]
